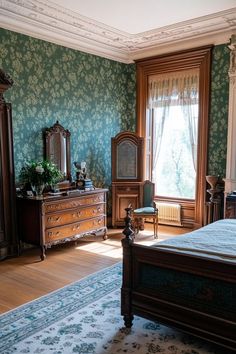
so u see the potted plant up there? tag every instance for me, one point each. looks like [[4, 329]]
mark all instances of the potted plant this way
[[40, 174]]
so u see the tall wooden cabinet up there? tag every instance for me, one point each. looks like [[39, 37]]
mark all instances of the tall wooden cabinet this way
[[127, 174], [8, 234]]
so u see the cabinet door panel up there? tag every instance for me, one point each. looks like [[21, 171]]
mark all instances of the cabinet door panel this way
[[123, 195], [123, 201]]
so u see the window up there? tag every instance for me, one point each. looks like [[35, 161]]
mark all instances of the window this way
[[198, 59], [172, 118]]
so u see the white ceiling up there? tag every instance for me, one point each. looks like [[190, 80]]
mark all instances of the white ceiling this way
[[136, 16], [122, 30]]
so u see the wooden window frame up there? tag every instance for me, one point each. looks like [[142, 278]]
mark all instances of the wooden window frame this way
[[184, 60]]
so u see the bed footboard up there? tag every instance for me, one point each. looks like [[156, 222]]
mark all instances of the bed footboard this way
[[191, 293]]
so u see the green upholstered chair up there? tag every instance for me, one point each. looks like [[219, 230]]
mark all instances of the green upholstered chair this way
[[147, 211]]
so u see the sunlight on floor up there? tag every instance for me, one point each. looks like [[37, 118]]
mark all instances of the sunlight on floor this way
[[106, 249], [112, 246]]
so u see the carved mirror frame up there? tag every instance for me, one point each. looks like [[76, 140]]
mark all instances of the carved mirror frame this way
[[57, 148]]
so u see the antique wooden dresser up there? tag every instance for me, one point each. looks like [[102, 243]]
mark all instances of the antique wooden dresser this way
[[49, 220]]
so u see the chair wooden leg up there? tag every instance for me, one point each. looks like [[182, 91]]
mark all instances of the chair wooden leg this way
[[141, 224], [136, 226], [155, 224]]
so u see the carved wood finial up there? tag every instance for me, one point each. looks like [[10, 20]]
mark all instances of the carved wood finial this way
[[128, 232], [127, 241], [232, 47], [215, 204], [5, 83], [5, 79]]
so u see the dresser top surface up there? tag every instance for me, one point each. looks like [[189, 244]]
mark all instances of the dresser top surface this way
[[73, 193]]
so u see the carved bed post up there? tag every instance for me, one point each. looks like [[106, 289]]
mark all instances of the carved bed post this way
[[215, 204], [126, 309]]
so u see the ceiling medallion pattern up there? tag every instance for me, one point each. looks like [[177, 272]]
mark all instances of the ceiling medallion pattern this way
[[43, 19]]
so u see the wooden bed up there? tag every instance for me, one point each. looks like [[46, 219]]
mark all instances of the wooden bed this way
[[191, 292]]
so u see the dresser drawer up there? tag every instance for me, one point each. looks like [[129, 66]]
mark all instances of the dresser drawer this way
[[75, 202], [127, 189], [76, 229], [71, 216]]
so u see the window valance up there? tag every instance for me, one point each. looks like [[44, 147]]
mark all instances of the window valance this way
[[173, 88]]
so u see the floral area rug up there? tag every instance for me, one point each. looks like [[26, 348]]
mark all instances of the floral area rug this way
[[84, 317]]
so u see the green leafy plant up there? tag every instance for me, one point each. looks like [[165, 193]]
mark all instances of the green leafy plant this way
[[40, 173]]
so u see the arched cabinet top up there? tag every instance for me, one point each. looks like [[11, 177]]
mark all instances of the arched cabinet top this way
[[127, 157]]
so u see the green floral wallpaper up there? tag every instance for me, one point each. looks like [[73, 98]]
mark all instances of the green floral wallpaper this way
[[218, 122], [91, 96]]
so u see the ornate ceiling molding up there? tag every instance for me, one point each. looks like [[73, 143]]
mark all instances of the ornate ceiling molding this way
[[45, 20]]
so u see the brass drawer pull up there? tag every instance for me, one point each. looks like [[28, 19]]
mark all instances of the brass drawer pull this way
[[51, 234], [97, 210], [50, 218], [77, 215], [97, 222], [77, 227]]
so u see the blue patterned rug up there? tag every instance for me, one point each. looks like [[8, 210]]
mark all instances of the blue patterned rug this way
[[84, 317]]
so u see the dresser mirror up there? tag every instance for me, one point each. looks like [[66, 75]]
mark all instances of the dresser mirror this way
[[57, 148]]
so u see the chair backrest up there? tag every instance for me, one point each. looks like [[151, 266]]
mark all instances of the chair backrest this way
[[148, 193]]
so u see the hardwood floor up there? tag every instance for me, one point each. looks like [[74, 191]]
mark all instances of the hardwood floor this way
[[26, 278]]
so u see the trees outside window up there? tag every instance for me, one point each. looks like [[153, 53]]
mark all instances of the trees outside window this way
[[173, 120], [174, 173]]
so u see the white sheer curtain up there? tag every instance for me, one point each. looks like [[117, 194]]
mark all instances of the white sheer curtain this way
[[158, 128], [173, 89], [189, 110]]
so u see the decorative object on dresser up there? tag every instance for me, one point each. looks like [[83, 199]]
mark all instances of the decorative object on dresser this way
[[81, 173], [127, 174], [8, 234], [50, 220], [82, 180], [40, 174]]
